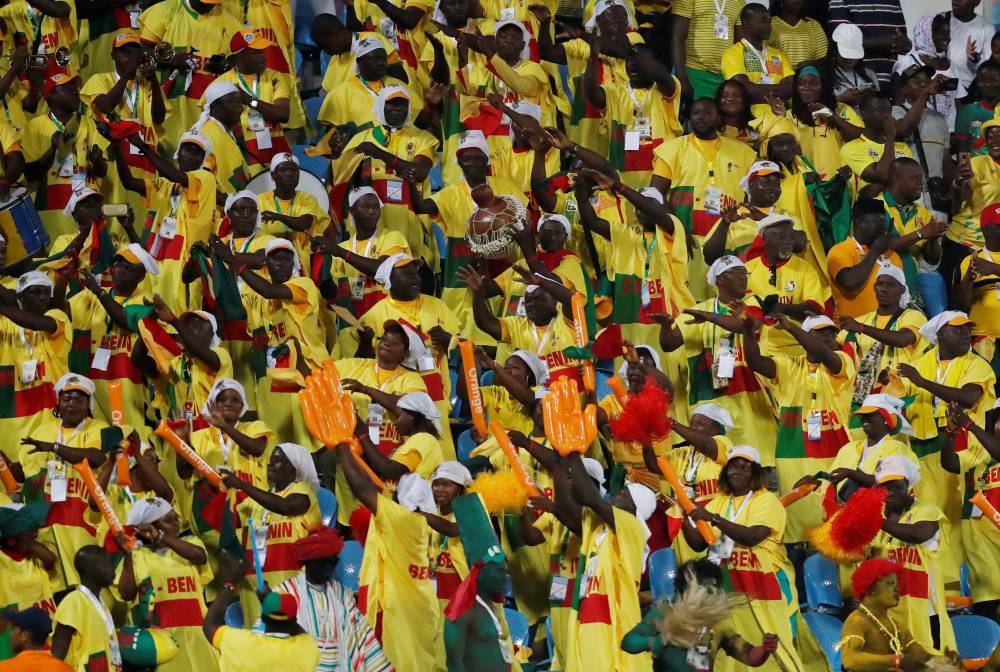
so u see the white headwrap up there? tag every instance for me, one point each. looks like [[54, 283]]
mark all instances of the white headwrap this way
[[896, 273], [378, 107], [147, 511], [220, 386], [33, 279], [453, 471], [596, 472], [366, 46], [889, 404], [473, 139], [280, 158], [231, 201], [763, 167], [355, 194], [205, 315], [930, 330], [535, 363], [285, 244], [383, 274], [3, 238], [420, 402], [818, 322], [646, 350], [721, 265], [414, 494], [603, 6], [715, 413], [213, 92], [144, 257], [897, 465], [746, 452], [525, 50], [196, 138], [77, 381], [305, 468], [645, 504], [416, 351], [556, 218], [77, 196], [772, 220]]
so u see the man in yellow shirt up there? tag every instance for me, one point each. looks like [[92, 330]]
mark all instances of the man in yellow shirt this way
[[978, 293], [351, 104], [265, 96], [288, 212], [763, 71], [338, 41], [853, 263], [702, 31], [85, 635], [871, 155], [220, 122]]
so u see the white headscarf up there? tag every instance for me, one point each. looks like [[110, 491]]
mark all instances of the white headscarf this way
[[33, 279], [355, 194], [453, 471], [525, 50], [535, 363], [818, 322], [645, 504], [231, 201], [378, 107], [420, 402], [147, 511], [414, 494], [721, 265], [366, 46], [76, 381], [653, 193], [596, 472], [556, 218], [213, 92], [383, 274], [205, 315], [715, 413], [897, 465], [75, 198], [305, 469], [280, 158], [930, 330], [889, 404], [220, 386], [145, 258], [285, 244], [896, 273], [646, 350]]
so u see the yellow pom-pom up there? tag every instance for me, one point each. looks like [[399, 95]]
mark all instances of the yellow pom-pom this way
[[501, 491], [828, 548]]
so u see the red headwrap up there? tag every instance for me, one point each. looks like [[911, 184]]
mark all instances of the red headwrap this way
[[323, 542], [869, 573]]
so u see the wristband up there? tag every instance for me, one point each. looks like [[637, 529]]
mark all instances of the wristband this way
[[967, 425], [920, 236], [254, 103], [229, 585]]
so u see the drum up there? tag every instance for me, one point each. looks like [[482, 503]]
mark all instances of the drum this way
[[308, 183], [21, 226], [491, 226]]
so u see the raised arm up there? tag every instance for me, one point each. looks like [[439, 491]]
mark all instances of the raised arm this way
[[481, 313], [815, 347]]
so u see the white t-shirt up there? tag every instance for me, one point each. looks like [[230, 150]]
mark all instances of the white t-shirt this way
[[981, 31]]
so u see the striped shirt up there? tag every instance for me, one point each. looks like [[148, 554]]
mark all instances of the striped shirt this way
[[875, 19], [703, 49], [805, 41]]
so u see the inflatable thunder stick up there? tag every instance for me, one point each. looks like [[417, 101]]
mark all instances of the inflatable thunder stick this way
[[500, 434], [682, 497], [9, 484], [618, 388], [798, 493], [472, 386], [582, 340], [165, 432], [122, 475], [103, 503], [989, 511]]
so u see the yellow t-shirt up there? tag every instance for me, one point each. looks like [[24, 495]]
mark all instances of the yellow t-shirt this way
[[704, 49], [193, 380], [547, 342], [964, 226], [299, 317], [268, 87], [353, 100], [910, 319], [364, 291], [135, 105], [226, 160], [177, 585], [420, 453], [821, 143], [847, 254], [26, 583], [500, 405], [90, 648], [302, 203], [804, 41], [862, 152], [794, 281], [656, 259], [341, 66], [282, 533], [249, 651], [49, 351], [768, 66], [985, 297]]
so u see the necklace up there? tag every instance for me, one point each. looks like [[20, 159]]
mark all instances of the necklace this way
[[893, 637]]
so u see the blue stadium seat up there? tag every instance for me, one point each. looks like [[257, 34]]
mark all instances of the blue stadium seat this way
[[662, 571], [518, 625], [312, 106], [327, 506], [456, 401], [963, 580], [464, 445], [826, 629], [234, 615], [485, 378], [602, 388], [436, 177], [316, 165], [350, 565], [440, 239], [976, 636], [822, 585], [324, 60]]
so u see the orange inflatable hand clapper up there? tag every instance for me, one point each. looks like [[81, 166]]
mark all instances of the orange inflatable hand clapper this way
[[570, 428]]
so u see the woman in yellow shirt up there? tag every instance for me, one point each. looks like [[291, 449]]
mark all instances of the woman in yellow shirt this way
[[735, 112], [275, 519], [288, 212], [419, 424], [27, 564], [822, 125], [977, 181]]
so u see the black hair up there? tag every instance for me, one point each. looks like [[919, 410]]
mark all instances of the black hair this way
[[83, 559], [747, 115], [867, 206], [704, 570], [869, 98], [422, 423], [757, 478], [902, 162], [941, 20], [324, 23], [752, 7]]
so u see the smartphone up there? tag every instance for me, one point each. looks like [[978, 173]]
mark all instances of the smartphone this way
[[950, 84]]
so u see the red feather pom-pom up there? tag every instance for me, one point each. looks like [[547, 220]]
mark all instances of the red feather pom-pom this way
[[645, 418], [359, 521], [859, 521]]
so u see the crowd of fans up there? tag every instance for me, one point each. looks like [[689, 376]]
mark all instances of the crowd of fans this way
[[525, 303]]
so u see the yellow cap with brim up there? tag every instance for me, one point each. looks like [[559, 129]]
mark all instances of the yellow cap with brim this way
[[121, 39], [959, 321]]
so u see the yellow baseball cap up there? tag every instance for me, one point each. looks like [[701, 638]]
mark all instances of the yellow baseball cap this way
[[251, 39], [121, 39]]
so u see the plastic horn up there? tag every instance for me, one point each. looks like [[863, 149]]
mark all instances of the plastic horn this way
[[569, 428], [618, 388], [582, 340], [123, 477], [6, 476], [187, 452], [798, 493], [258, 570], [472, 386], [103, 503], [989, 511], [500, 434], [681, 494]]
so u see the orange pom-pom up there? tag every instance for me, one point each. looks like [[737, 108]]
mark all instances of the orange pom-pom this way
[[646, 416]]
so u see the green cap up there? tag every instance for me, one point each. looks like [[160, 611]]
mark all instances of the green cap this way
[[475, 530], [146, 647], [18, 518]]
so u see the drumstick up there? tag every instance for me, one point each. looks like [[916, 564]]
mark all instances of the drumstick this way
[[580, 330], [989, 511], [9, 484], [472, 386], [798, 493], [188, 453], [124, 478], [500, 434], [103, 503], [668, 472]]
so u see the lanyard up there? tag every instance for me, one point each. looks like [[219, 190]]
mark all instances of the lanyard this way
[[720, 8], [131, 99], [24, 341], [244, 247], [691, 473], [864, 451], [365, 84], [501, 640], [277, 205], [189, 9], [226, 442], [59, 126], [540, 345], [739, 510], [77, 430], [640, 106], [37, 18], [711, 162], [649, 255], [391, 378], [882, 259], [368, 245], [109, 623], [175, 198], [253, 88]]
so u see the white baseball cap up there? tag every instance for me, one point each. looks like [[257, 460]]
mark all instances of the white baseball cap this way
[[849, 40]]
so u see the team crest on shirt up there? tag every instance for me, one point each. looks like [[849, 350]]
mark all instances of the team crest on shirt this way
[[790, 286], [872, 153]]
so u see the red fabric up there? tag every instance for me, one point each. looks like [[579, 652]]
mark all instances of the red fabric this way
[[322, 542], [360, 521], [465, 595], [595, 608]]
